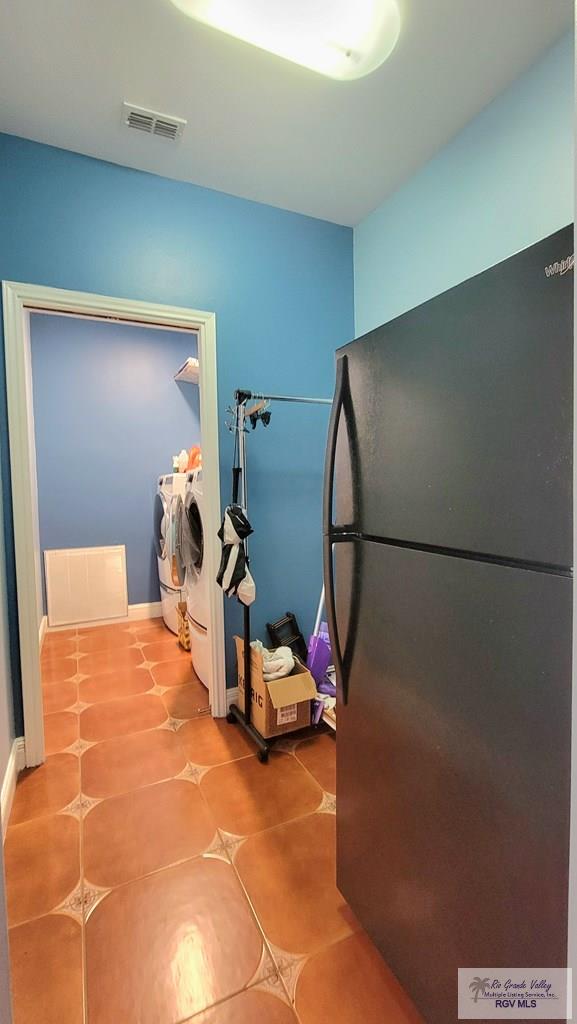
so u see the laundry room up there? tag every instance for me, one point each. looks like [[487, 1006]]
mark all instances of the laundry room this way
[[109, 419]]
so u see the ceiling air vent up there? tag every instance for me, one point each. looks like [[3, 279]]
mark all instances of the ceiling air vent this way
[[152, 122]]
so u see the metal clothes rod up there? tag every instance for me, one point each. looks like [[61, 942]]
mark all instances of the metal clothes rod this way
[[291, 398], [245, 395], [240, 492]]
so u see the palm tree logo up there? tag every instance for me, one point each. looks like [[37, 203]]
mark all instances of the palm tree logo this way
[[479, 987]]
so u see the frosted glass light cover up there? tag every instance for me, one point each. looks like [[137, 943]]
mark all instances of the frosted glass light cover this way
[[343, 39]]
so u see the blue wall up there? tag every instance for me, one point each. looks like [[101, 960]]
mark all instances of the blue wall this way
[[282, 288], [504, 182], [108, 417]]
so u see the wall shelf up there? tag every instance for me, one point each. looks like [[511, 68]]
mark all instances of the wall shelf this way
[[189, 371]]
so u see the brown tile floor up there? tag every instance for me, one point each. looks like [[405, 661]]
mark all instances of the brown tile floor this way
[[157, 873]]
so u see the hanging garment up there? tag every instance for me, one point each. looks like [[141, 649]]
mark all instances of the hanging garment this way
[[189, 541], [234, 575], [160, 514], [176, 541]]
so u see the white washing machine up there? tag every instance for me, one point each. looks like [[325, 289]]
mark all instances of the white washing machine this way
[[197, 582], [170, 487]]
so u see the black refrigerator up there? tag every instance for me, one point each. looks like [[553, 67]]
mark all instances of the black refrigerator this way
[[448, 577]]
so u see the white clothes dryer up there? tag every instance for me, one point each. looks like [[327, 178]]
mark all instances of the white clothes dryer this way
[[170, 487], [197, 581]]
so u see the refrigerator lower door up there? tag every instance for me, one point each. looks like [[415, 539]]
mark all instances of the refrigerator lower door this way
[[453, 764]]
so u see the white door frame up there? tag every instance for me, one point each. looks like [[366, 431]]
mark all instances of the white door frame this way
[[19, 301]]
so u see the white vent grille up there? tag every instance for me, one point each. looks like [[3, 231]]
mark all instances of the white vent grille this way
[[151, 122]]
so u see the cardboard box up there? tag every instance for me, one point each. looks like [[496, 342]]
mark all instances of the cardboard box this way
[[282, 705]]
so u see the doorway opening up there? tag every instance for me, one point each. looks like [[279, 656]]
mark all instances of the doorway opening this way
[[123, 375]]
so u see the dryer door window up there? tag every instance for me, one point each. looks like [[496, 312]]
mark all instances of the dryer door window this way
[[160, 526], [196, 534]]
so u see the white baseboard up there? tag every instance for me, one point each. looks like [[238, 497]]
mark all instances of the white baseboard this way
[[16, 762], [232, 696], [145, 611], [150, 610], [42, 630]]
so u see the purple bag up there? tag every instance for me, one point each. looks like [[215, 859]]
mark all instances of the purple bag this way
[[318, 657], [327, 687], [317, 712]]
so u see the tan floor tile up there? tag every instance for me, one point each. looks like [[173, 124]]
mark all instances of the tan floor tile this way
[[56, 646], [319, 755], [55, 670], [186, 701], [349, 983], [289, 873], [168, 946], [166, 650], [131, 762], [59, 696], [210, 741], [137, 625], [105, 641], [171, 941], [60, 731], [131, 835], [174, 673], [251, 1007], [46, 958], [98, 662], [46, 789], [151, 632], [246, 796], [122, 717], [116, 683], [106, 629], [42, 865]]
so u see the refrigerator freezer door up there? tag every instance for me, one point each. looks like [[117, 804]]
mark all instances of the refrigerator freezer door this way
[[460, 412], [453, 764]]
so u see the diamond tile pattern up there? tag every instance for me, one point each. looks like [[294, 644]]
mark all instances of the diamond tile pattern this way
[[199, 883]]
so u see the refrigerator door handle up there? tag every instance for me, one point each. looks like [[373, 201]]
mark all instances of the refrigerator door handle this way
[[331, 611], [336, 410], [329, 481]]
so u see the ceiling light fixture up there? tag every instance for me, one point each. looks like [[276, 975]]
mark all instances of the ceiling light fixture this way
[[343, 39]]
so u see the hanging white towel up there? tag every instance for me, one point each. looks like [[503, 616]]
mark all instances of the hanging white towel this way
[[275, 664]]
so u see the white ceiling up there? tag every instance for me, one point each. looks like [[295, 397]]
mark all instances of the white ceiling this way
[[258, 126]]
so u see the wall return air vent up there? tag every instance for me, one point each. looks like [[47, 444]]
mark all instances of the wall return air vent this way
[[151, 122]]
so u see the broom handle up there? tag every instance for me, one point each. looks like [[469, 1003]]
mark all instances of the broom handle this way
[[319, 613]]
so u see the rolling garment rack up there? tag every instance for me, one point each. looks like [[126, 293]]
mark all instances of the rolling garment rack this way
[[240, 496]]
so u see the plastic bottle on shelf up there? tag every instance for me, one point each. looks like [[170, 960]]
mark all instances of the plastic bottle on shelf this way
[[183, 461]]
